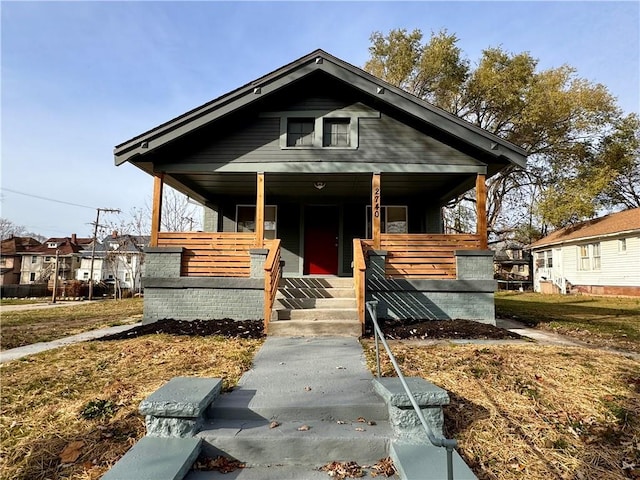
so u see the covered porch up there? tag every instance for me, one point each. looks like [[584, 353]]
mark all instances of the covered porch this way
[[405, 262]]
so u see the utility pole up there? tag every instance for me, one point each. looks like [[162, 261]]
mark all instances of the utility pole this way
[[93, 244], [55, 278]]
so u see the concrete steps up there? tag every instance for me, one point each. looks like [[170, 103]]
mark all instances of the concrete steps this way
[[275, 472], [315, 306], [255, 443]]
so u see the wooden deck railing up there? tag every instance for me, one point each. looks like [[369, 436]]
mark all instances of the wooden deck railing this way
[[424, 256], [272, 274], [212, 254], [359, 279]]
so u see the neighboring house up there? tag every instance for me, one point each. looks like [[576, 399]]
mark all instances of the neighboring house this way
[[119, 260], [326, 167], [11, 252], [511, 264], [599, 256], [38, 264]]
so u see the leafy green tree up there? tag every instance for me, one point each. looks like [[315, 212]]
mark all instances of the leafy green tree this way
[[561, 120]]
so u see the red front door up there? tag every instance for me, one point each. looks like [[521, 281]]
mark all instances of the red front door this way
[[321, 230]]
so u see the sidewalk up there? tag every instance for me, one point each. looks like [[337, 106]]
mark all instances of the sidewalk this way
[[16, 353], [40, 306]]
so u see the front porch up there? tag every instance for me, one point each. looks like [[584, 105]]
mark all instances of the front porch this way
[[238, 275]]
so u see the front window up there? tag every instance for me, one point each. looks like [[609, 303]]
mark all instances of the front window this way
[[393, 219], [336, 132], [300, 132], [246, 219], [622, 245], [596, 256]]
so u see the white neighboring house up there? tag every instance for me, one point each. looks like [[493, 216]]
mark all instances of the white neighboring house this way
[[118, 260], [599, 256]]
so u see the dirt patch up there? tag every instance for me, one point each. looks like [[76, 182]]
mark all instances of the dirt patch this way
[[440, 329], [196, 328]]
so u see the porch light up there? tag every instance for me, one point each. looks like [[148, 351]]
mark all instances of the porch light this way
[[319, 185]]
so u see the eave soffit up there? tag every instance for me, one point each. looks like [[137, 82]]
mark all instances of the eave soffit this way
[[318, 60]]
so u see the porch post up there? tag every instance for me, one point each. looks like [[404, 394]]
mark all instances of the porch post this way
[[260, 211], [481, 210], [156, 211], [376, 211]]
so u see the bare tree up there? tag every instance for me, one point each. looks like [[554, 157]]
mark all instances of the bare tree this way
[[9, 229]]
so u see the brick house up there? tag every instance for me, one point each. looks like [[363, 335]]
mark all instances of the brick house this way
[[316, 177]]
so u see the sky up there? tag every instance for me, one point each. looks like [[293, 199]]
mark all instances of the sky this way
[[78, 78]]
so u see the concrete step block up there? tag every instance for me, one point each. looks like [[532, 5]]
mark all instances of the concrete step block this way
[[307, 303], [254, 442], [315, 293], [307, 328], [315, 314], [266, 472], [317, 282], [155, 458], [423, 461]]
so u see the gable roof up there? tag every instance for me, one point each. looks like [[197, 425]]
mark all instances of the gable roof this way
[[66, 246], [615, 223], [14, 245], [318, 60]]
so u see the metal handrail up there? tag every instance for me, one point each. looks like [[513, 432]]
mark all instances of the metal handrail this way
[[436, 441]]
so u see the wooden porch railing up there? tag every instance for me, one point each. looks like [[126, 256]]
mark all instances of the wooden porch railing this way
[[272, 274], [423, 256], [212, 254], [359, 279]]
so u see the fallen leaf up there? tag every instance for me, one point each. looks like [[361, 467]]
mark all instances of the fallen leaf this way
[[220, 464], [341, 422], [341, 367], [304, 428], [307, 388], [371, 422], [384, 467], [71, 452], [359, 429], [274, 424], [342, 470], [362, 420]]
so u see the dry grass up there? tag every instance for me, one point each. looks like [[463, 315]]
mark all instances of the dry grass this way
[[529, 412], [43, 397], [23, 327], [612, 322]]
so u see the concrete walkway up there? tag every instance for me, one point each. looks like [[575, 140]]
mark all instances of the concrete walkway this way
[[20, 352]]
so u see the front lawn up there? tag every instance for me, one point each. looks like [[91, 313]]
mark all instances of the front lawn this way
[[601, 321], [86, 397], [23, 327], [531, 412]]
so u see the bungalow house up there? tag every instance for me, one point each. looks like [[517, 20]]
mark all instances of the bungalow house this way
[[319, 180], [600, 256]]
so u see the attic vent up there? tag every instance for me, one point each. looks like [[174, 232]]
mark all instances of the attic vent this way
[[494, 146]]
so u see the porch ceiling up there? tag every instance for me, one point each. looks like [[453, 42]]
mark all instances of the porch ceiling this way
[[211, 186]]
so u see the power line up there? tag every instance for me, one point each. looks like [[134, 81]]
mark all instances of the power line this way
[[46, 198]]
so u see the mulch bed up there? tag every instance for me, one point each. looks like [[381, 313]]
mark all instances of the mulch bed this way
[[393, 329], [196, 328], [440, 330]]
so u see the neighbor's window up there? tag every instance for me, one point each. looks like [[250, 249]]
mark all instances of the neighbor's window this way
[[622, 245], [336, 132], [32, 277], [300, 132], [34, 259], [596, 256], [52, 245], [85, 275], [583, 257], [47, 259], [393, 219], [246, 219]]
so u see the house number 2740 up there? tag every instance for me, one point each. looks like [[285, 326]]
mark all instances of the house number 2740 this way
[[376, 202]]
